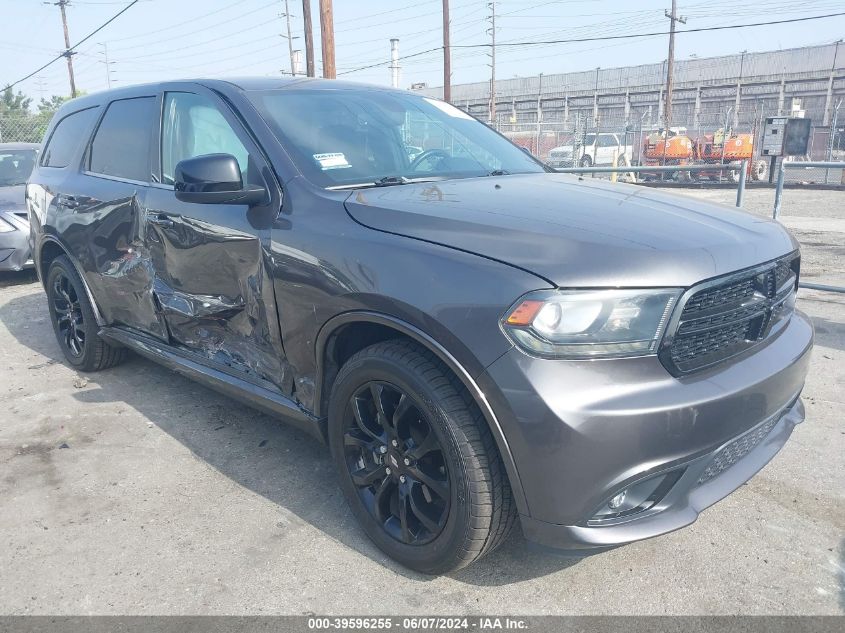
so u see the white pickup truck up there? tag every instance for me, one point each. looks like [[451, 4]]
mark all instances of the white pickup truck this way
[[597, 149]]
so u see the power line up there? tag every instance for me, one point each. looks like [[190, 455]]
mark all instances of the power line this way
[[600, 38], [632, 35], [70, 49]]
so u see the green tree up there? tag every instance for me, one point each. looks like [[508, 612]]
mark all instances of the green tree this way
[[49, 106], [13, 103]]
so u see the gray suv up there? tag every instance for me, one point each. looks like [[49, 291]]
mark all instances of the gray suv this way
[[477, 339]]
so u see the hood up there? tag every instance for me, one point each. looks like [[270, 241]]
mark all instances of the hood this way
[[576, 232], [12, 198]]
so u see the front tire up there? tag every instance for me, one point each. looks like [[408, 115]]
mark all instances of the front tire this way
[[74, 322], [417, 463]]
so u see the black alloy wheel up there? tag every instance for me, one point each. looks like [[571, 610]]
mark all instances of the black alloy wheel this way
[[74, 323], [417, 462], [67, 312], [396, 463]]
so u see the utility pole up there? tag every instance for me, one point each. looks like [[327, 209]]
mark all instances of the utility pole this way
[[738, 102], [39, 81], [447, 55], [828, 102], [68, 54], [394, 62], [539, 113], [290, 40], [327, 37], [673, 18], [106, 62], [309, 38], [492, 31]]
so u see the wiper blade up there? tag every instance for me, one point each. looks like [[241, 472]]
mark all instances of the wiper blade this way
[[498, 172], [389, 181]]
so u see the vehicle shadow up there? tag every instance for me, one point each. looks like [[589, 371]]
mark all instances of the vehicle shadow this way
[[829, 333], [256, 451], [17, 278]]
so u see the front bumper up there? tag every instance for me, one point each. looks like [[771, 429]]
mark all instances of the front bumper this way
[[582, 431], [15, 253]]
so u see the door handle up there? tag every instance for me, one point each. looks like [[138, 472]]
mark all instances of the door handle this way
[[68, 201], [159, 219]]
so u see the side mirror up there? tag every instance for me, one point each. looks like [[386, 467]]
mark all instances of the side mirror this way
[[214, 179]]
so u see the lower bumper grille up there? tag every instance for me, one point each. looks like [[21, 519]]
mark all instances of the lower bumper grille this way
[[737, 449]]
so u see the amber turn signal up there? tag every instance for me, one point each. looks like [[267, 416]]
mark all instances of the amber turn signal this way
[[525, 312]]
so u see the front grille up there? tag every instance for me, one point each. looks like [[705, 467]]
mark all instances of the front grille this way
[[731, 314], [736, 450]]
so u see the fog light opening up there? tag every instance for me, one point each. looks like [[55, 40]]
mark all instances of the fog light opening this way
[[618, 500], [637, 498]]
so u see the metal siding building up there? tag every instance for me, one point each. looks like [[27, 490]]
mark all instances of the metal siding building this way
[[705, 91]]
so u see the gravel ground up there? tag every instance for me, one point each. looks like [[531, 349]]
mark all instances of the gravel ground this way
[[136, 491], [815, 217]]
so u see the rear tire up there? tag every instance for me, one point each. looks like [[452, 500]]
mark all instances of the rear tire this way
[[419, 446], [74, 322]]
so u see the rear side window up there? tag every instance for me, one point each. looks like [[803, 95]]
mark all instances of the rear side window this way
[[71, 132], [121, 145]]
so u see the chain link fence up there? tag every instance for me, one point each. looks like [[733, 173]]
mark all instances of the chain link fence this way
[[24, 128], [715, 138]]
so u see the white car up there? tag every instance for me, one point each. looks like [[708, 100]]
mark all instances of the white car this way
[[597, 149]]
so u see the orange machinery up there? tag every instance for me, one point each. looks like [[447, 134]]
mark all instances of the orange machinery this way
[[728, 150], [672, 148]]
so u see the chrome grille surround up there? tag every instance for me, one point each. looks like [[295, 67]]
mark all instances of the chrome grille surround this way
[[725, 316]]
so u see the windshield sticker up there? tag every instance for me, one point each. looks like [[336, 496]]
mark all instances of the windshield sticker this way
[[332, 160], [448, 109]]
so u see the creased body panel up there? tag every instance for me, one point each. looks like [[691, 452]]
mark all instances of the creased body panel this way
[[211, 284], [104, 233]]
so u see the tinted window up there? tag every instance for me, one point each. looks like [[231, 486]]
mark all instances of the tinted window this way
[[71, 132], [16, 166], [359, 136], [121, 146], [193, 126]]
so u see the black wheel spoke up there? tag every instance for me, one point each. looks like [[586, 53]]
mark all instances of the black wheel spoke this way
[[428, 445], [403, 518], [377, 392], [430, 524], [437, 486], [402, 407], [359, 409], [353, 438], [368, 475], [381, 499]]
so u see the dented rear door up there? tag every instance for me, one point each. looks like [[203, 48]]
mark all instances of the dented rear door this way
[[210, 277]]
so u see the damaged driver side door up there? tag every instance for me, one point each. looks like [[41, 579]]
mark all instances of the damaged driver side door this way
[[211, 282]]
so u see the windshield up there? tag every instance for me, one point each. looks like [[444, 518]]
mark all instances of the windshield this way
[[349, 137], [16, 166]]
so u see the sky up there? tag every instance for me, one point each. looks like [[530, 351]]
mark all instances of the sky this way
[[170, 39]]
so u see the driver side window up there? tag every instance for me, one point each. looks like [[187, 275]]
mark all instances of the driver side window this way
[[442, 148], [193, 126]]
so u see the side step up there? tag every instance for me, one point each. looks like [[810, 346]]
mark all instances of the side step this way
[[254, 395]]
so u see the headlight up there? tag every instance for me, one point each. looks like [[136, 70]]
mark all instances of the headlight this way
[[6, 226], [590, 323]]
